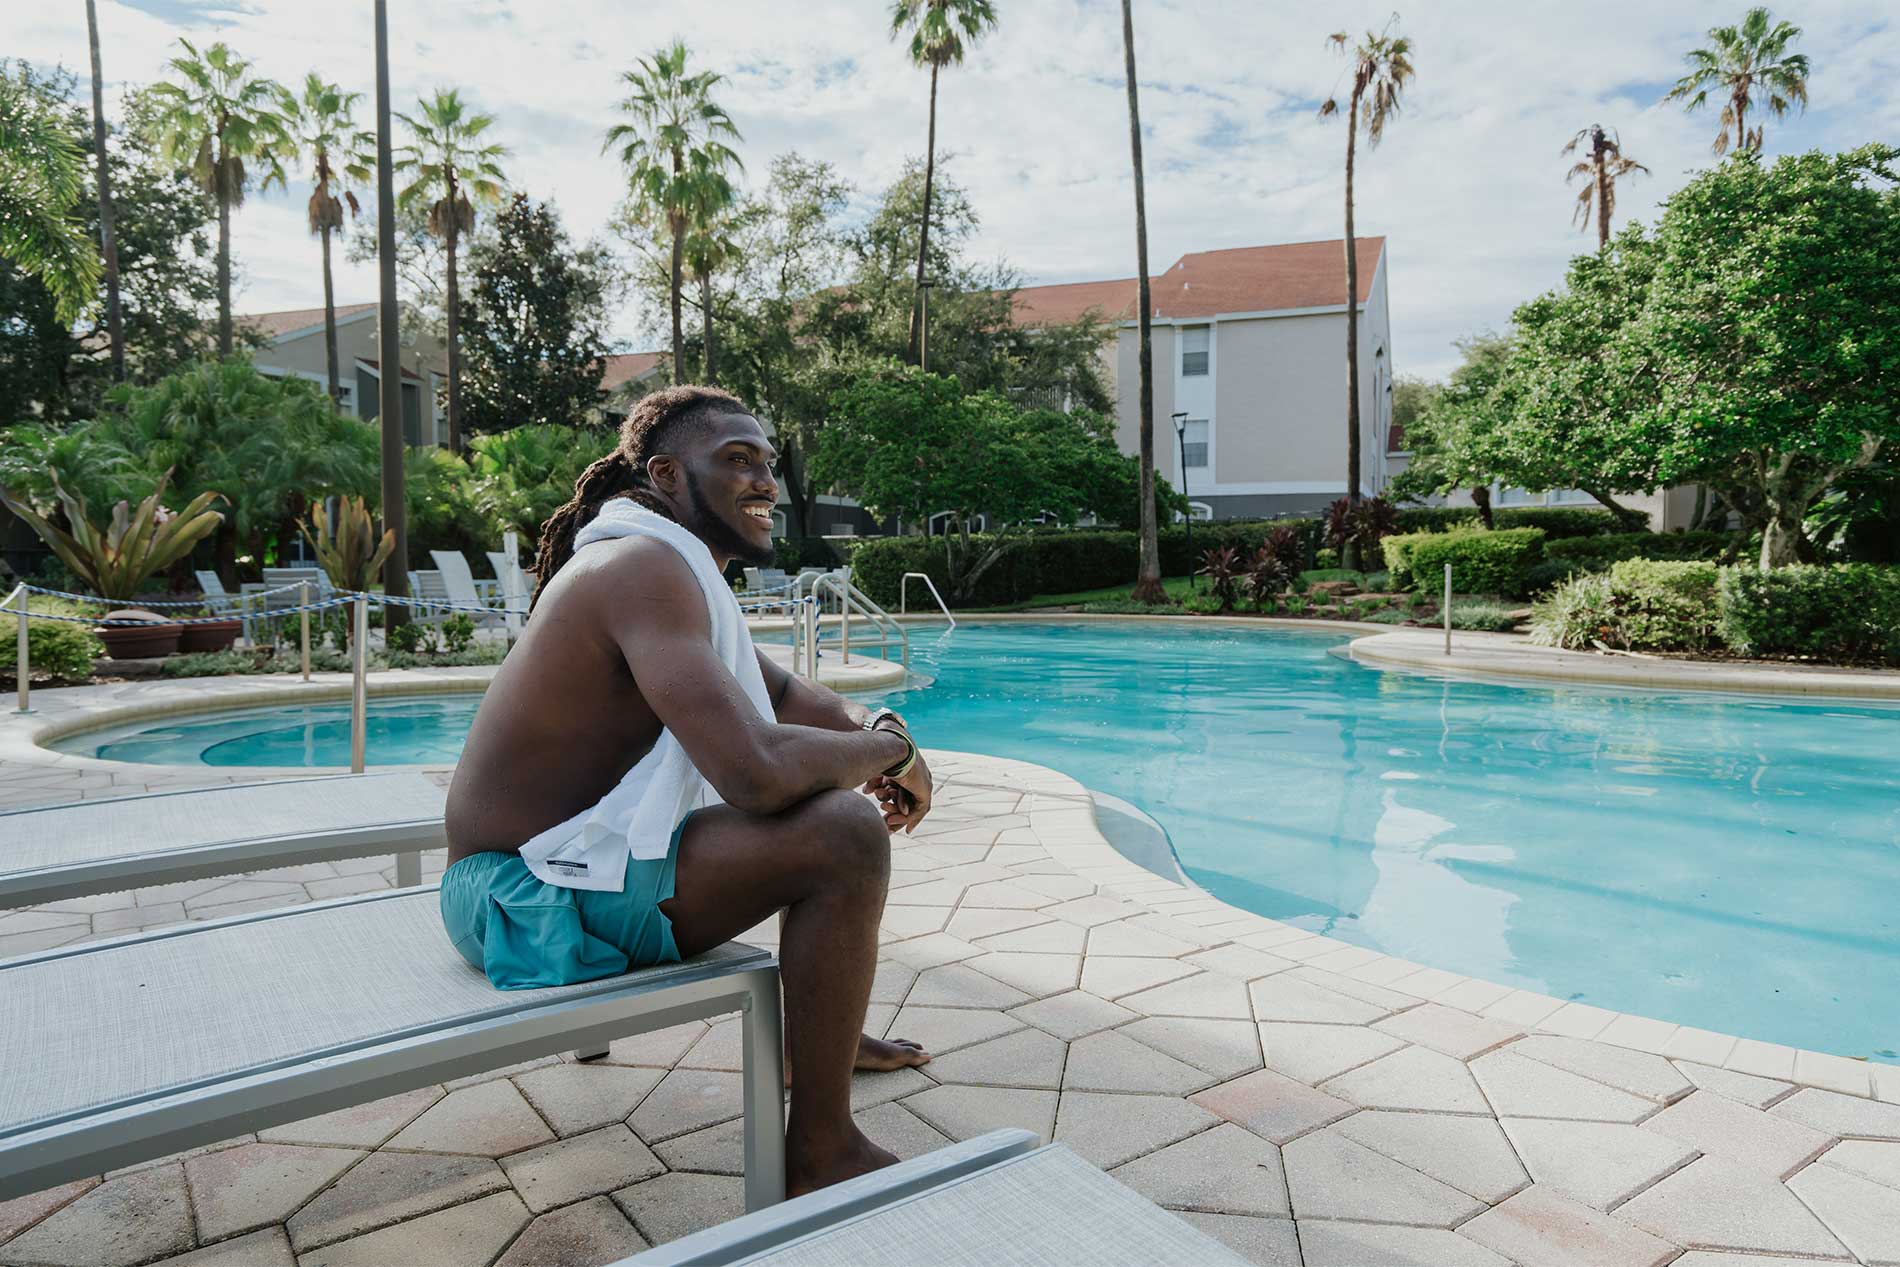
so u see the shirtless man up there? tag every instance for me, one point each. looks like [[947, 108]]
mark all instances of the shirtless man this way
[[620, 646]]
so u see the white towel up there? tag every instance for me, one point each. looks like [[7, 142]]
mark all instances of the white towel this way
[[638, 817]]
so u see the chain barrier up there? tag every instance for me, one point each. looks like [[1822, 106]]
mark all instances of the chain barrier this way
[[122, 622], [208, 600]]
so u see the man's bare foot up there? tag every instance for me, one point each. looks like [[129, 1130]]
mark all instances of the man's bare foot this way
[[879, 1055], [809, 1168]]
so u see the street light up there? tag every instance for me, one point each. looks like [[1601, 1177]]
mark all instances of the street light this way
[[1180, 433], [388, 335]]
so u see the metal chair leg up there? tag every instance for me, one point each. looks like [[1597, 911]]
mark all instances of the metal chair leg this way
[[764, 1045]]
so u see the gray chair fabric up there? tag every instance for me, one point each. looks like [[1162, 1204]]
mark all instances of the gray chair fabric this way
[[1030, 1210], [100, 846], [268, 1017]]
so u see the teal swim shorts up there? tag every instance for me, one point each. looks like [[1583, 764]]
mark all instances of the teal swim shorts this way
[[525, 933]]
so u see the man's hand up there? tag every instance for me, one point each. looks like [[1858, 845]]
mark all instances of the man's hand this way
[[904, 801]]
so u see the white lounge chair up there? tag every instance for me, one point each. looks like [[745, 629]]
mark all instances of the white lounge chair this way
[[123, 1051], [511, 581], [993, 1201], [222, 602], [65, 851], [426, 586], [460, 584]]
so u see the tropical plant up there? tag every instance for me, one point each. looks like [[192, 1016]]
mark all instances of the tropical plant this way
[[345, 543], [320, 126], [117, 558], [1222, 565], [1751, 67], [42, 179], [108, 239], [1148, 587], [674, 148], [1272, 569], [1605, 166], [451, 169], [1355, 528], [938, 31], [1381, 67], [219, 116]]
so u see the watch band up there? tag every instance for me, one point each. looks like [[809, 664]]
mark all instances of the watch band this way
[[903, 767]]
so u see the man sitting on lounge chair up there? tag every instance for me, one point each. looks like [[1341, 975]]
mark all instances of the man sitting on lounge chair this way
[[640, 784]]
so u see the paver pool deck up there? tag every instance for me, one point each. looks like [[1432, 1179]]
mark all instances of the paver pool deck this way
[[1305, 1100]]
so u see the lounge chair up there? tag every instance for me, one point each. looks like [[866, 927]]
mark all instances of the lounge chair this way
[[460, 584], [511, 580], [222, 602], [993, 1201], [65, 851], [426, 586], [123, 1051]]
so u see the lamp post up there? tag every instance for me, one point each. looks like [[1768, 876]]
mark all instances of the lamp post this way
[[1180, 434], [923, 324], [389, 350]]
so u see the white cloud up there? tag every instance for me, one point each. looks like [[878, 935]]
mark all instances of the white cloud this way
[[1468, 185]]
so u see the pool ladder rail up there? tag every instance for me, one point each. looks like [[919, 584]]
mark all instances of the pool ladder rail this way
[[837, 592]]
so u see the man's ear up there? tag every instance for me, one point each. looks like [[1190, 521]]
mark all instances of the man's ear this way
[[663, 473]]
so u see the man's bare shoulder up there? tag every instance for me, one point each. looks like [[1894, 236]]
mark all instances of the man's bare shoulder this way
[[634, 582]]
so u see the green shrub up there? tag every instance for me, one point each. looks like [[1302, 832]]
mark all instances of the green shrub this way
[[1325, 558], [1847, 612], [1481, 562], [1597, 553], [1540, 577], [1638, 605], [64, 651], [405, 637], [458, 631], [1390, 616], [795, 553], [1481, 614], [1558, 522]]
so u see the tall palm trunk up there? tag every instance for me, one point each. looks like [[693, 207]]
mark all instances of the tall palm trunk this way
[[108, 243], [1148, 588], [1352, 315], [676, 283], [1599, 152], [455, 345], [329, 323], [1741, 122], [923, 234], [706, 320], [224, 252]]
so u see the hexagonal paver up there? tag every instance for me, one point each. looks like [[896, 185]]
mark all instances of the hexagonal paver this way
[[965, 1112], [1596, 1163], [388, 1187], [592, 1231], [1223, 1171], [1331, 1177], [1225, 1049], [896, 1128], [1070, 1016], [1720, 1127], [237, 1189], [1314, 1053], [471, 1233], [942, 1030], [1035, 975], [1027, 1058], [1637, 1072], [672, 1206], [584, 1166], [582, 1097], [1843, 1115], [23, 1212], [1864, 1214], [1272, 1105], [1878, 1160], [686, 1100], [1468, 1153], [1744, 1088], [359, 1126], [1284, 997], [1520, 1087], [1114, 1062], [1265, 1242], [1206, 994], [126, 1220], [1449, 1031], [1716, 1204], [489, 1119], [1413, 1078], [1112, 976], [268, 1247], [1538, 1226], [1329, 1244], [1108, 1130]]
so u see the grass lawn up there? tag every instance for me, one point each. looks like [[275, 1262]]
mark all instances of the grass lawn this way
[[1176, 586]]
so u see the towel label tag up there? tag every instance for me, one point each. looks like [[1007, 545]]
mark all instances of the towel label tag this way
[[568, 866]]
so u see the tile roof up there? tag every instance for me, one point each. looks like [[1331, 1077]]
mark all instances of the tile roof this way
[[1209, 283], [273, 324], [623, 367]]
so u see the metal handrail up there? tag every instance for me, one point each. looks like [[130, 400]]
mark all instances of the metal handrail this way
[[903, 596], [850, 598]]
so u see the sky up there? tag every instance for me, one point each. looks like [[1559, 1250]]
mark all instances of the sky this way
[[1468, 185]]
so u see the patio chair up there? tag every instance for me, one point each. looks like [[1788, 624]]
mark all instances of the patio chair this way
[[124, 1051], [993, 1201], [220, 601], [65, 851], [426, 586], [460, 584], [511, 580]]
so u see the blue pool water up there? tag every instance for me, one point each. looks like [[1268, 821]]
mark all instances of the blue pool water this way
[[1720, 861]]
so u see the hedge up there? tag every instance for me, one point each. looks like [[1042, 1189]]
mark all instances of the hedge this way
[[1597, 553], [1558, 522], [1497, 562], [1055, 562], [1846, 611]]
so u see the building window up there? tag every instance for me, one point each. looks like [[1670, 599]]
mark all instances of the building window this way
[[1194, 444], [346, 397], [1193, 351]]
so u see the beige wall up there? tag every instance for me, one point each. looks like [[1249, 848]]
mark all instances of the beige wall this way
[[303, 354], [1128, 396]]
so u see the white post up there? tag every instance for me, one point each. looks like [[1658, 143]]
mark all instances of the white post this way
[[23, 668], [812, 628], [359, 686], [1448, 609], [511, 600], [303, 601], [844, 621]]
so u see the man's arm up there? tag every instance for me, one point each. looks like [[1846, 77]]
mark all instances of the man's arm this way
[[652, 607]]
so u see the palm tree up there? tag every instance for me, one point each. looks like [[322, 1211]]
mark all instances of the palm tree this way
[[710, 248], [42, 177], [108, 245], [322, 127], [1148, 587], [938, 30], [453, 171], [1749, 63], [217, 118], [1605, 166], [674, 149], [1381, 67]]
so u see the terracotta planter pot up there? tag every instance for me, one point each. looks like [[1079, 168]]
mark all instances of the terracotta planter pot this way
[[211, 636], [156, 637]]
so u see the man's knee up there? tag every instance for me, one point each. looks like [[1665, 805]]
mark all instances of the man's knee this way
[[848, 835]]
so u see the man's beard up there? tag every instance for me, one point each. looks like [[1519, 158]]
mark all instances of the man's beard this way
[[721, 537]]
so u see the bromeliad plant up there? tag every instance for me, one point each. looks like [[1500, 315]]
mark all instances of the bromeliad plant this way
[[346, 545], [116, 559], [1223, 567]]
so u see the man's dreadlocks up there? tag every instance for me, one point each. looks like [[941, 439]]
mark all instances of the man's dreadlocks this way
[[656, 421]]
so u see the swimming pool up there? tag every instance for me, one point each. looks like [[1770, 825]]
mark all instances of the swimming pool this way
[[1720, 861]]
